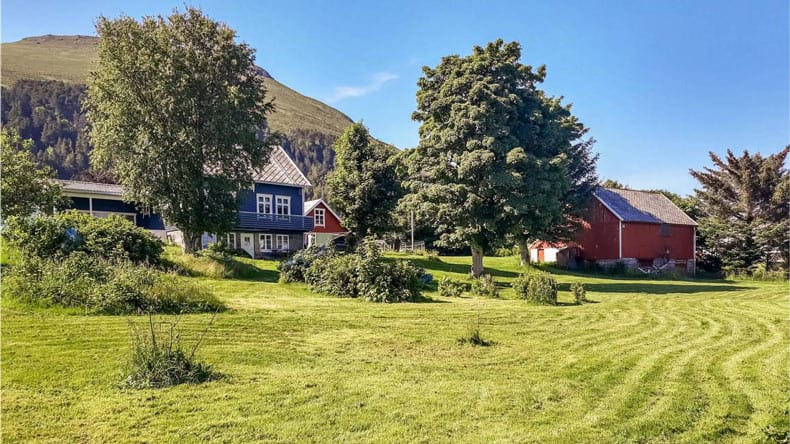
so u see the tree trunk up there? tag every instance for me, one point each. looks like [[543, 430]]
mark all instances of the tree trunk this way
[[477, 262], [523, 251], [191, 242]]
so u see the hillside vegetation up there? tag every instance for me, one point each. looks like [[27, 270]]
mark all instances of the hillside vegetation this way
[[308, 124], [648, 361]]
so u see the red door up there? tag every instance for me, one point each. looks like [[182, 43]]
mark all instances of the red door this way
[[541, 255]]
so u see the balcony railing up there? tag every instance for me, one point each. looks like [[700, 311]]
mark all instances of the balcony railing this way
[[259, 221]]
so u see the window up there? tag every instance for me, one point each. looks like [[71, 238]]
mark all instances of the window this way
[[283, 204], [282, 242], [266, 242], [666, 230], [230, 240], [319, 217], [265, 203]]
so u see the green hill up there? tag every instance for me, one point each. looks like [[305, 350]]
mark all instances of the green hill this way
[[309, 125]]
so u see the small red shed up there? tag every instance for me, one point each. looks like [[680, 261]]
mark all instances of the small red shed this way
[[640, 228], [327, 225]]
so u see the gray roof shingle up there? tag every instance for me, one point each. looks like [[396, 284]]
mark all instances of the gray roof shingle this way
[[281, 169], [642, 206]]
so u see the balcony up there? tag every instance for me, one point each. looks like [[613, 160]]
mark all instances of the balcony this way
[[258, 221]]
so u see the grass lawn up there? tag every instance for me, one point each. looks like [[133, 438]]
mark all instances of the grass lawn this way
[[649, 361]]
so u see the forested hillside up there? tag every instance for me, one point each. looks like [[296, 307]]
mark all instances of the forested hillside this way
[[43, 86]]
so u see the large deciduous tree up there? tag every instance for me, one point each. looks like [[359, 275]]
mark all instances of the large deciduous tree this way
[[364, 186], [177, 110], [744, 201], [25, 188], [495, 153]]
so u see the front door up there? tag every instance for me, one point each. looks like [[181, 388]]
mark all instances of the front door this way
[[541, 255], [246, 244]]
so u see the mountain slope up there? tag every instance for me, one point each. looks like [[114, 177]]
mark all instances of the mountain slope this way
[[310, 127]]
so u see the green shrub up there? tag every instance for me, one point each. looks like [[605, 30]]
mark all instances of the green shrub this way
[[293, 269], [159, 359], [579, 292], [64, 233], [364, 274], [506, 251], [451, 288], [536, 286], [485, 286], [104, 286], [210, 264]]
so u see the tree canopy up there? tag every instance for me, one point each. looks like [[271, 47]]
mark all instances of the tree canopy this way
[[364, 186], [744, 202], [26, 188], [178, 111], [495, 153]]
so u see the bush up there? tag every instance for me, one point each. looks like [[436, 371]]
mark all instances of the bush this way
[[64, 233], [293, 269], [536, 286], [485, 286], [104, 286], [451, 288], [579, 293], [160, 360], [506, 251], [364, 274]]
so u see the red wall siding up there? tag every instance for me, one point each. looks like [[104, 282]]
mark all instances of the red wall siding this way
[[598, 238], [332, 224], [647, 242]]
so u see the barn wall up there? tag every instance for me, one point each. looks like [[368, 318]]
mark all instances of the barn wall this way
[[598, 237], [649, 241], [332, 224]]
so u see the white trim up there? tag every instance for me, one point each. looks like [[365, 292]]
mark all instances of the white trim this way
[[90, 206], [323, 217], [316, 202], [92, 195], [694, 254], [620, 238], [287, 243], [258, 203], [261, 242], [227, 239], [277, 207]]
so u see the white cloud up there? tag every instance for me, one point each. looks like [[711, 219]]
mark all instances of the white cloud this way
[[375, 84]]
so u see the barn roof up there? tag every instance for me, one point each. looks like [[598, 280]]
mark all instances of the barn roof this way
[[642, 206], [281, 169]]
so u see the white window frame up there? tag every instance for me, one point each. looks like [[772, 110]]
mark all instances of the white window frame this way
[[283, 246], [263, 239], [267, 199], [322, 212], [228, 237], [286, 203]]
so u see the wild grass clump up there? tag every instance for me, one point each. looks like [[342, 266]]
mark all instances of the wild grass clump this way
[[485, 286], [211, 264], [366, 275], [757, 272], [536, 286], [159, 358], [451, 288], [105, 286], [579, 292], [473, 335]]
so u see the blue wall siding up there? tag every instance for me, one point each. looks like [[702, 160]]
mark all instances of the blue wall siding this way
[[248, 198], [151, 222]]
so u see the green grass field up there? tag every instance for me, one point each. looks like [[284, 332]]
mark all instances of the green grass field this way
[[649, 361]]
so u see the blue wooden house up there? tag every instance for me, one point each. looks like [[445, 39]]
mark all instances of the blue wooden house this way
[[270, 220]]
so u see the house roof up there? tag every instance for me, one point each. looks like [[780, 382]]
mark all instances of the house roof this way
[[76, 186], [310, 204], [642, 206], [281, 169]]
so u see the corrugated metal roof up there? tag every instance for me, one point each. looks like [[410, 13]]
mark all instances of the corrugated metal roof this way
[[76, 186], [281, 169], [642, 206]]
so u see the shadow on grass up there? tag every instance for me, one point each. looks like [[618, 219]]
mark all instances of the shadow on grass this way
[[653, 288], [437, 265]]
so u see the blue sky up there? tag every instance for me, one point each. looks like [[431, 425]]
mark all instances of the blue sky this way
[[659, 83]]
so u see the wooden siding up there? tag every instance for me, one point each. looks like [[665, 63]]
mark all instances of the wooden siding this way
[[599, 238], [646, 241]]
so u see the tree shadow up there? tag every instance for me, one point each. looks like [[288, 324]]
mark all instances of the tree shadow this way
[[654, 288], [438, 265]]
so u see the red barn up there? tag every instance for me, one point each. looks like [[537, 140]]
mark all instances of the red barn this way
[[327, 225], [640, 228]]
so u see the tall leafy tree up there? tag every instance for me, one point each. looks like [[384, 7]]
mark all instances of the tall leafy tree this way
[[24, 186], [177, 110], [744, 201], [364, 186], [494, 151]]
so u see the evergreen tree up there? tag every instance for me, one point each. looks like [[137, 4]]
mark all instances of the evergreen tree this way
[[744, 202]]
